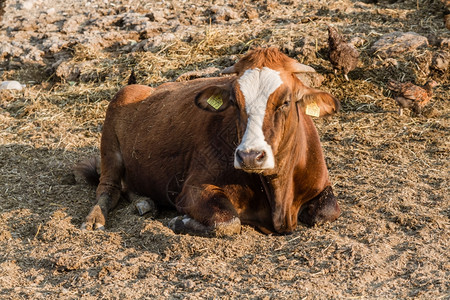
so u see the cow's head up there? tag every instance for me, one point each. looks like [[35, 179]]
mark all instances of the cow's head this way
[[271, 100]]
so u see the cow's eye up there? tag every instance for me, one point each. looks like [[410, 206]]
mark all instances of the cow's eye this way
[[284, 105]]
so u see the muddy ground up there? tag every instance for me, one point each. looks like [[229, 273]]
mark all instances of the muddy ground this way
[[391, 173]]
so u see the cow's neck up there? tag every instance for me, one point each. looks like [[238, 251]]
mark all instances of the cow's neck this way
[[279, 187], [279, 192]]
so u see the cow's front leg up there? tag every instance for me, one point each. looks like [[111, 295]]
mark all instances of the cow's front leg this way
[[323, 208], [208, 211]]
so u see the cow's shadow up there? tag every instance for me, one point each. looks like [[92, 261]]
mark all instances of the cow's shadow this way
[[44, 202]]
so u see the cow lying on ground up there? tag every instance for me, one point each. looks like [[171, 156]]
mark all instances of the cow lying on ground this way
[[223, 151]]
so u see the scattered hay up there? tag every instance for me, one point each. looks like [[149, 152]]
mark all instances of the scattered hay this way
[[390, 173]]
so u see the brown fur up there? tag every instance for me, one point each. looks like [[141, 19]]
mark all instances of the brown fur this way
[[155, 137]]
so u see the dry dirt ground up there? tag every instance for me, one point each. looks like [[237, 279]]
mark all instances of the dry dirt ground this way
[[391, 173]]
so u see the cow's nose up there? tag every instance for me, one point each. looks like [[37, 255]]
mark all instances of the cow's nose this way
[[252, 159]]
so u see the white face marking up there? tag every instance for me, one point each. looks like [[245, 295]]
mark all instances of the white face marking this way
[[257, 85]]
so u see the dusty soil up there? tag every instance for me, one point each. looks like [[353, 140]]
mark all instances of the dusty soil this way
[[391, 173]]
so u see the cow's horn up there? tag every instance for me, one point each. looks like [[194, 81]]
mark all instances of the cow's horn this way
[[301, 68], [229, 70]]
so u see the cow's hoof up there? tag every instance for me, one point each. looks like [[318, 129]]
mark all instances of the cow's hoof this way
[[90, 226], [228, 228], [144, 205], [95, 220], [187, 225], [323, 208]]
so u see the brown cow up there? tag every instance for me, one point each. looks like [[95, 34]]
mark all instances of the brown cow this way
[[223, 151]]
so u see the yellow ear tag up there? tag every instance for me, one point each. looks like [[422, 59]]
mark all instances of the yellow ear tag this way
[[312, 109], [215, 101]]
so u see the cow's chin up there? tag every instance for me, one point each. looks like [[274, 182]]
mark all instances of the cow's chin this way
[[256, 171], [262, 171]]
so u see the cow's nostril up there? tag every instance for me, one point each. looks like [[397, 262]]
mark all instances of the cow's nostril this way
[[239, 157], [260, 156], [252, 159]]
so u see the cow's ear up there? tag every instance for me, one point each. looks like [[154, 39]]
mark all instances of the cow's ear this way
[[317, 103], [214, 98]]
